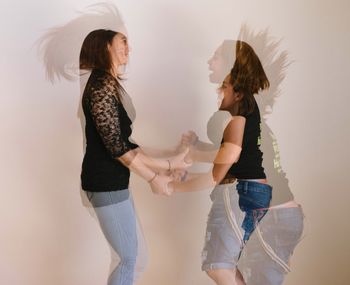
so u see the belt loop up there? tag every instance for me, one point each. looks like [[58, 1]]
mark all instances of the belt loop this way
[[110, 197], [245, 187]]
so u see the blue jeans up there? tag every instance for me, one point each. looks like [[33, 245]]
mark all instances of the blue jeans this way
[[254, 199], [117, 219]]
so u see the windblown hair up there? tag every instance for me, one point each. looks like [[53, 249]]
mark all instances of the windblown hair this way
[[94, 52], [247, 76], [60, 46]]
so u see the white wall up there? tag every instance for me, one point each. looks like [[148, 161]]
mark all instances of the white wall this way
[[48, 237]]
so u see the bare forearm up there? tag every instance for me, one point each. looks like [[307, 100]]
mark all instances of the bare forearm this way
[[204, 156], [204, 146], [196, 182], [132, 160], [157, 164], [158, 153]]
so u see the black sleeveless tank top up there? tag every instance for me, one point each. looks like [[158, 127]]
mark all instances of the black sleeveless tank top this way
[[249, 165]]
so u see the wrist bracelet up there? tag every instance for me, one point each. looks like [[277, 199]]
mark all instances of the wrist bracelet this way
[[169, 164], [154, 177]]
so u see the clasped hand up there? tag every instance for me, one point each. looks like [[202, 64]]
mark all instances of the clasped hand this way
[[176, 172]]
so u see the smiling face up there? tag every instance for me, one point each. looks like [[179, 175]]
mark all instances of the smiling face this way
[[119, 50], [217, 67], [221, 63]]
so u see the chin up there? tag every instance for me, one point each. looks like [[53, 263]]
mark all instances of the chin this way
[[215, 78]]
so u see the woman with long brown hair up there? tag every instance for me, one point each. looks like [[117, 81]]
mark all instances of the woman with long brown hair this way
[[110, 155], [239, 159]]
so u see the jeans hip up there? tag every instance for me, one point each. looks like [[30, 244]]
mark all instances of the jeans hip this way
[[254, 200]]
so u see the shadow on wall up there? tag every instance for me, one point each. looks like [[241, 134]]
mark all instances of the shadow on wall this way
[[267, 254], [275, 64]]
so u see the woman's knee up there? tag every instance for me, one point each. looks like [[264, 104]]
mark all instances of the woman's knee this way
[[128, 263]]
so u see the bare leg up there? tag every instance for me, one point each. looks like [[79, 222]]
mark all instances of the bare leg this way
[[239, 278], [226, 276]]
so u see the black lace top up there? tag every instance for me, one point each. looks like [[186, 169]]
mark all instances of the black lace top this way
[[107, 132]]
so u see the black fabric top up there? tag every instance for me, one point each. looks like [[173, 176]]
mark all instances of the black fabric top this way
[[249, 165], [107, 132]]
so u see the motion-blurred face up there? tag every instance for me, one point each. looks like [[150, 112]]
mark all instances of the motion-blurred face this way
[[119, 50], [217, 66], [221, 63], [227, 97]]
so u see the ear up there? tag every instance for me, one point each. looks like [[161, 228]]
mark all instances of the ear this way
[[238, 95]]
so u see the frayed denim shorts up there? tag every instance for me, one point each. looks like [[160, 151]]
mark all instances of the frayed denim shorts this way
[[235, 212], [265, 258]]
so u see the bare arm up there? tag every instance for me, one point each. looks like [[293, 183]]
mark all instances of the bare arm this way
[[228, 154], [231, 148], [159, 153], [105, 111]]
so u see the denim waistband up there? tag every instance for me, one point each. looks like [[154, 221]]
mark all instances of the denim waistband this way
[[245, 185], [101, 199]]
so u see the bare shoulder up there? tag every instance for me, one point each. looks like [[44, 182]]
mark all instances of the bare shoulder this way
[[235, 129], [236, 122]]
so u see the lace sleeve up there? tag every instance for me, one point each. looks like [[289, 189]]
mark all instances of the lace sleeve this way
[[106, 115]]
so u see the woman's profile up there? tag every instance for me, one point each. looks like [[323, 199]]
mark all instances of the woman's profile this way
[[231, 256]]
